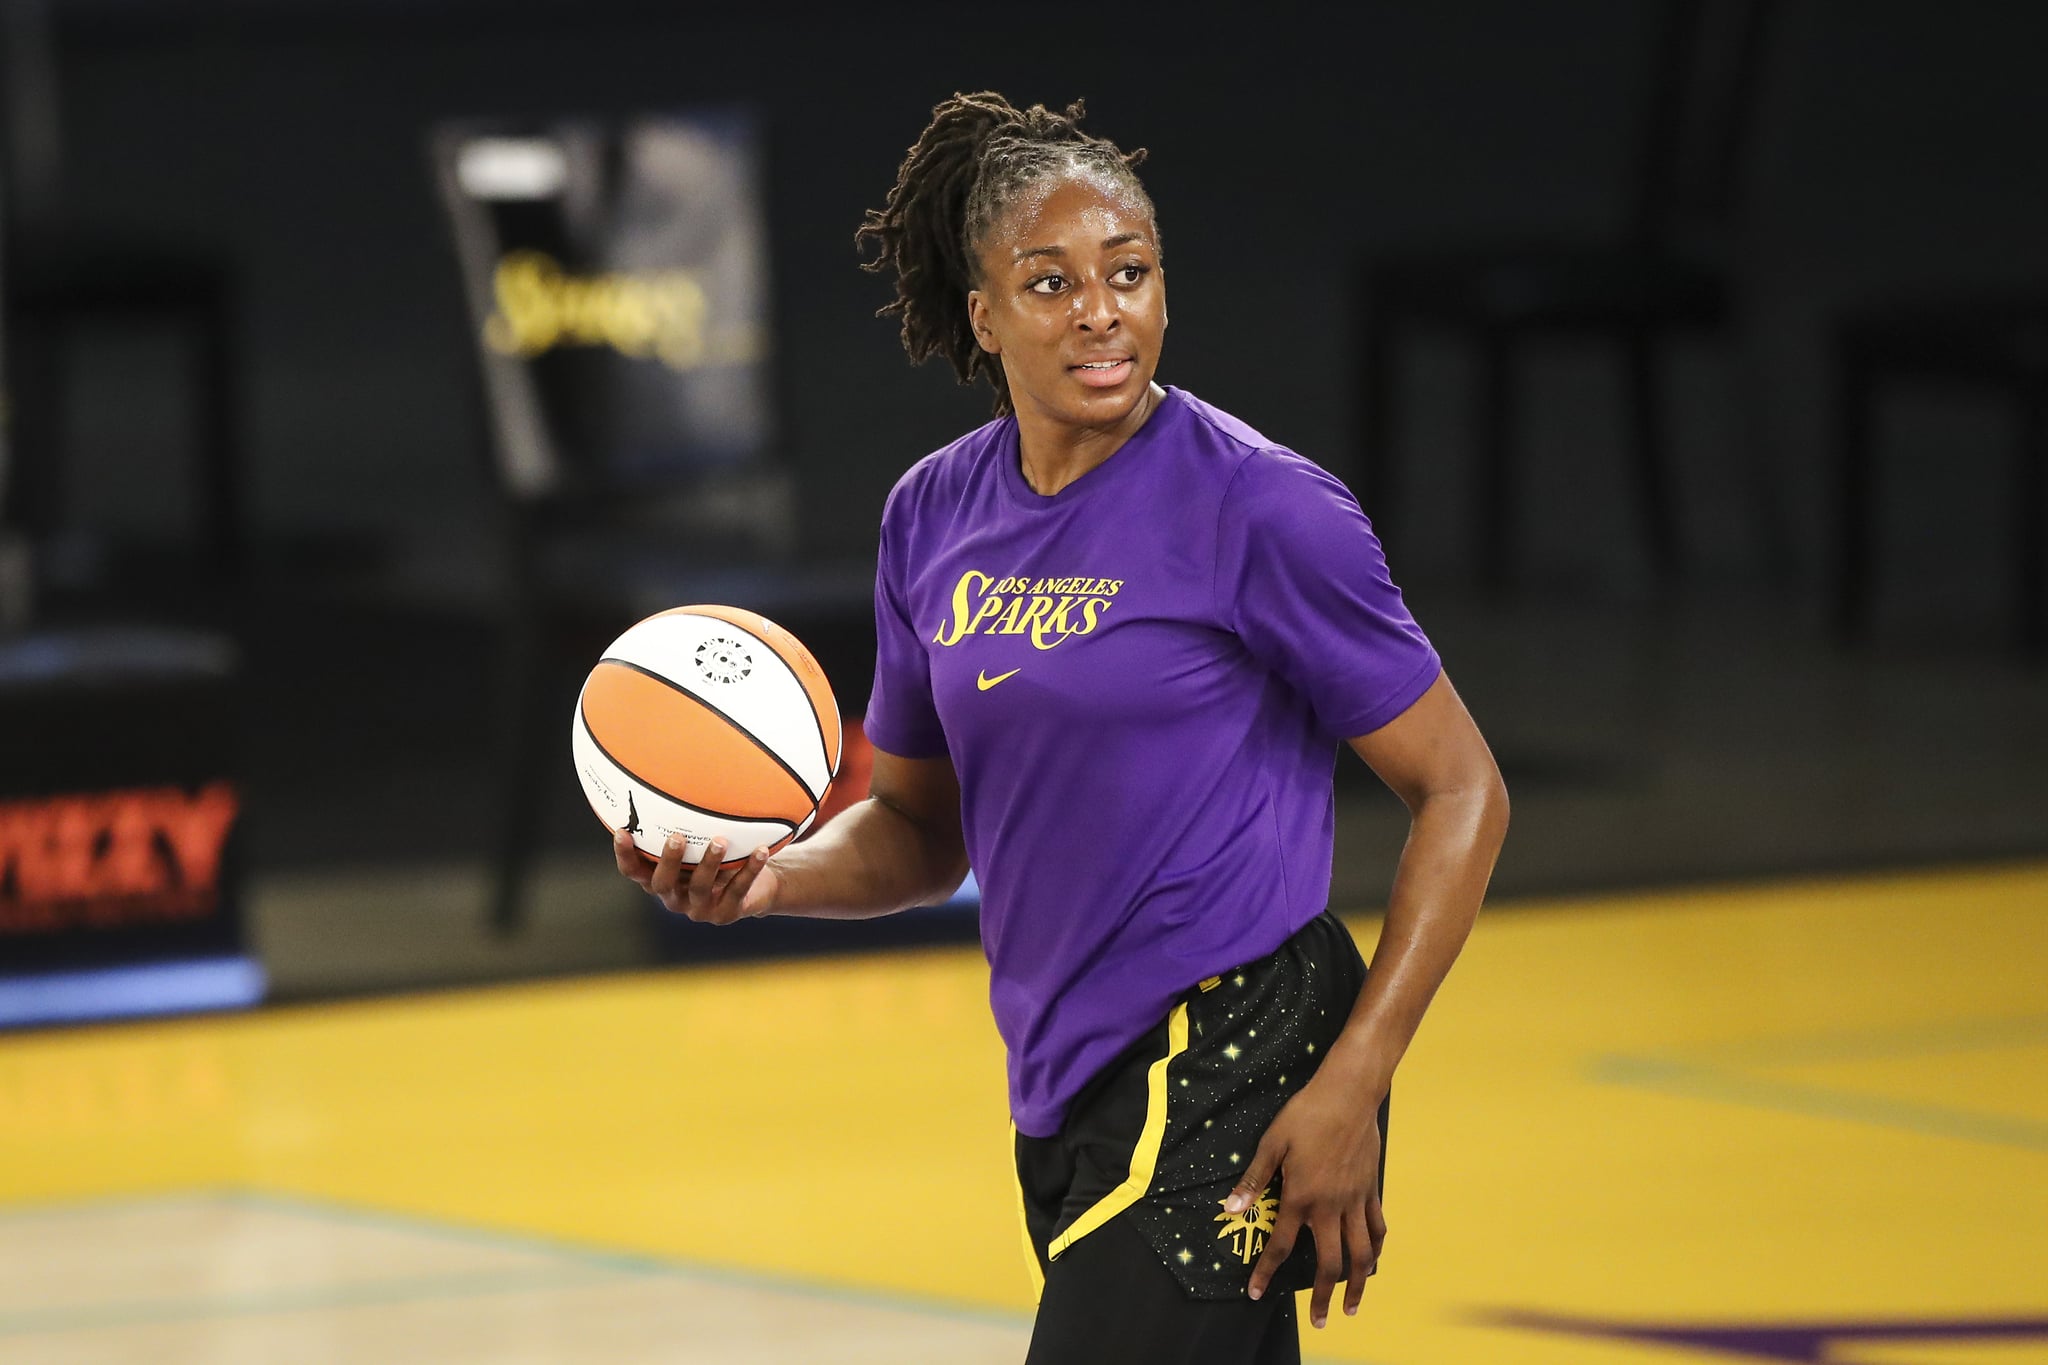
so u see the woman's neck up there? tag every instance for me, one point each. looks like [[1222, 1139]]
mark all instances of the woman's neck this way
[[1055, 453]]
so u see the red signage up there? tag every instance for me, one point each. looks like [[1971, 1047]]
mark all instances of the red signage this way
[[97, 860]]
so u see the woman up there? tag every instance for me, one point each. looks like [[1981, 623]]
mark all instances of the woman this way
[[1119, 634]]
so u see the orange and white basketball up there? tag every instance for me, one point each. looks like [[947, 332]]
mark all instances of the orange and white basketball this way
[[709, 722]]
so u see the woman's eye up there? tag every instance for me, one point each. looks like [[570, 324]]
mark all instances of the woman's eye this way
[[1050, 284], [1130, 274]]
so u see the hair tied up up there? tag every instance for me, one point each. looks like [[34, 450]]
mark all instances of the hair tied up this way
[[973, 157]]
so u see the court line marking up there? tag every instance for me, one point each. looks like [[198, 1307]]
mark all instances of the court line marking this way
[[651, 1264], [604, 1258], [1725, 1073], [598, 1263], [87, 1205], [602, 1263], [365, 1294]]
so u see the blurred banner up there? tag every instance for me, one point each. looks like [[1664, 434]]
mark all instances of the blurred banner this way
[[617, 277], [119, 809]]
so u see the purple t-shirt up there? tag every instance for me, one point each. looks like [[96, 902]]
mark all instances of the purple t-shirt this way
[[1142, 681]]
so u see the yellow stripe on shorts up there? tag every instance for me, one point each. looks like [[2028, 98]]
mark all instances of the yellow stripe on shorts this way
[[1024, 1226], [1144, 1156]]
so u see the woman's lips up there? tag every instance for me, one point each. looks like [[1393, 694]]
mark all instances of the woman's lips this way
[[1103, 374]]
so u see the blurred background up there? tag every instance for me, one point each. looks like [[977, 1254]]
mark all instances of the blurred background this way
[[371, 363]]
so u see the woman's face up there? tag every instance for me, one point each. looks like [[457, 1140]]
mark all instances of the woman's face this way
[[1073, 300]]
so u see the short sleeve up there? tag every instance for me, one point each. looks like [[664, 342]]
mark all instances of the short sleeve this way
[[901, 718], [1302, 580]]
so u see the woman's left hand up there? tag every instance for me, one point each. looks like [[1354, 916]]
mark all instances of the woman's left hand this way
[[1326, 1146]]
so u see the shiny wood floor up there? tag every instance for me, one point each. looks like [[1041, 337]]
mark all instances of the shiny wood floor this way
[[1802, 1122]]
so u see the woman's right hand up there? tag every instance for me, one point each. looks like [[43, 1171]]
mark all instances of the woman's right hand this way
[[705, 891]]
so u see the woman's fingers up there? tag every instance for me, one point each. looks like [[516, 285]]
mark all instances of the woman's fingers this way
[[1279, 1246], [733, 898], [668, 872], [1362, 1253], [633, 864], [705, 890], [1329, 1240], [703, 880]]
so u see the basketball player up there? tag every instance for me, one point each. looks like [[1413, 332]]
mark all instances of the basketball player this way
[[1120, 634]]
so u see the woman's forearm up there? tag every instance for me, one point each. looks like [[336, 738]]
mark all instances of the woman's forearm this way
[[1453, 840], [873, 859]]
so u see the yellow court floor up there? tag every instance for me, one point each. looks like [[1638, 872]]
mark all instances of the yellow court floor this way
[[1799, 1122]]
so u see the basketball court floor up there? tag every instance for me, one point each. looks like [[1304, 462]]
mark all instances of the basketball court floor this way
[[1804, 1121]]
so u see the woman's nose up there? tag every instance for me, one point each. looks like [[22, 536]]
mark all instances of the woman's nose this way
[[1095, 307]]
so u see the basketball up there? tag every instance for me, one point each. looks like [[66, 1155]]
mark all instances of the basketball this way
[[710, 722]]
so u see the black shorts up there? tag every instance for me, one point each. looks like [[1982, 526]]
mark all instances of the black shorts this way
[[1162, 1134]]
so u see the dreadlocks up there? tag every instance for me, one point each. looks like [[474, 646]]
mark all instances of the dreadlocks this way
[[960, 175]]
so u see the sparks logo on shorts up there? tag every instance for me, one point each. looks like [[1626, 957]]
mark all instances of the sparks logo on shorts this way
[[1049, 610], [1247, 1231]]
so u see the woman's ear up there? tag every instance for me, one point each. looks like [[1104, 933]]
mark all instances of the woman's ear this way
[[977, 320]]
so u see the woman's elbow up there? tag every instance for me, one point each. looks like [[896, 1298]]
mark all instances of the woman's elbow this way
[[1498, 808]]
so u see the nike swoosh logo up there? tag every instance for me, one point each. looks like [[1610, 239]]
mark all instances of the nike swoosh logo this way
[[983, 681]]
